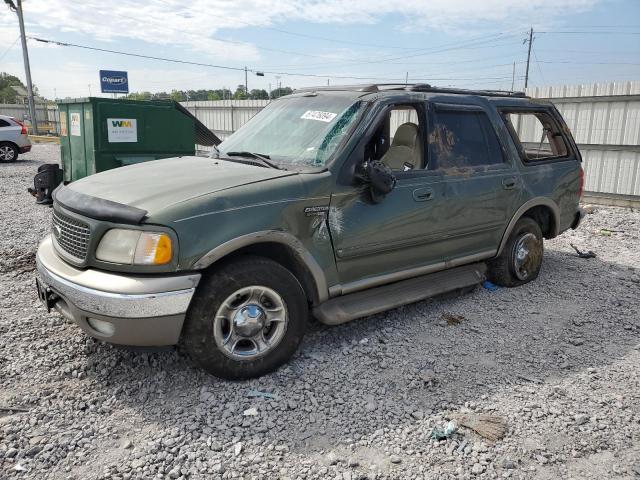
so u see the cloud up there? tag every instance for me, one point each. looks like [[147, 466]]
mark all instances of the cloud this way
[[194, 25]]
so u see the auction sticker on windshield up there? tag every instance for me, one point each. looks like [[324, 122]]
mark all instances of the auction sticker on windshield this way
[[318, 115]]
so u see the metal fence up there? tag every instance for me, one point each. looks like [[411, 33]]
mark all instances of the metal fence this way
[[605, 121], [224, 117], [47, 115]]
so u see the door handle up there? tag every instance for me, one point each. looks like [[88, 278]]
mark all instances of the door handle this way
[[509, 183], [423, 194]]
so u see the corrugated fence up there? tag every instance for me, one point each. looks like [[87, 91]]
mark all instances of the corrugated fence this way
[[47, 115], [605, 121], [224, 117]]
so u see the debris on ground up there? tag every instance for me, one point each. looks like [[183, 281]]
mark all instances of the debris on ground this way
[[581, 254], [452, 318], [250, 412], [607, 232], [258, 393], [491, 427], [490, 286], [427, 376], [446, 432], [4, 408]]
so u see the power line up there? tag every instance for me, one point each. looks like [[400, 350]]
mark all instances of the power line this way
[[538, 65], [461, 45], [10, 47], [227, 67], [587, 32], [589, 63]]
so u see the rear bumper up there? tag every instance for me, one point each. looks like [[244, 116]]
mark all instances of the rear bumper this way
[[578, 218], [123, 309], [25, 149]]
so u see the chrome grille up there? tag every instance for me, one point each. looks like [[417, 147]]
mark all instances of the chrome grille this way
[[71, 235]]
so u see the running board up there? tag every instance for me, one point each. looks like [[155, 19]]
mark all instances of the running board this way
[[375, 300]]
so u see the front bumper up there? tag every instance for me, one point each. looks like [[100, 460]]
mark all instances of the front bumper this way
[[143, 310]]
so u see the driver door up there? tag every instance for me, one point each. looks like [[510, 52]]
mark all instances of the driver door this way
[[375, 243]]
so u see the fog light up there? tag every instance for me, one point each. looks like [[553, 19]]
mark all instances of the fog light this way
[[102, 327]]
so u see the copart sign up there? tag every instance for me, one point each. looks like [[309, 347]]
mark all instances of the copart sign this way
[[112, 81]]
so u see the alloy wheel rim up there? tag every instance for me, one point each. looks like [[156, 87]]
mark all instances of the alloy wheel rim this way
[[6, 153], [525, 252], [250, 323]]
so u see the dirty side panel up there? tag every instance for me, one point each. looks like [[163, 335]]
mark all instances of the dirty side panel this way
[[294, 205]]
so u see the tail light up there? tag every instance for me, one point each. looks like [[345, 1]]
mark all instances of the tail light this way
[[581, 183], [24, 129]]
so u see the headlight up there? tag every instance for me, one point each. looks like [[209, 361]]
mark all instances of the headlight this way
[[135, 247]]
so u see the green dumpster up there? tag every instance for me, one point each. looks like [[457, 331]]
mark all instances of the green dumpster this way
[[98, 134]]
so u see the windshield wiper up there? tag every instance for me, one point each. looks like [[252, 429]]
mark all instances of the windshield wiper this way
[[263, 158]]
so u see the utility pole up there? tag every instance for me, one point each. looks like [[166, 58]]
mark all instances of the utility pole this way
[[246, 86], [513, 76], [27, 68], [406, 79], [526, 75]]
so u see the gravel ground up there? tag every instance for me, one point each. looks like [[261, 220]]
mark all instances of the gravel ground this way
[[558, 359]]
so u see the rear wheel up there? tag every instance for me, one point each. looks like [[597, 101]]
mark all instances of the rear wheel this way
[[521, 259], [247, 318], [8, 152]]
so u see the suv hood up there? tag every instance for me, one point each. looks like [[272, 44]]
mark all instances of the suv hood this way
[[158, 184]]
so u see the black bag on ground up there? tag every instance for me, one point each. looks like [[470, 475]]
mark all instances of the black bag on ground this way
[[49, 176]]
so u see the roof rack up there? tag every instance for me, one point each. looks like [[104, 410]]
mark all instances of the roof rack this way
[[414, 87], [425, 87]]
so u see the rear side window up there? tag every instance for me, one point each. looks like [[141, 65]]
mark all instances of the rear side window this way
[[537, 134], [461, 138], [4, 123]]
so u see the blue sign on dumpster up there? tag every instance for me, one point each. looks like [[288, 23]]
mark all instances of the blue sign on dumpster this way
[[113, 82]]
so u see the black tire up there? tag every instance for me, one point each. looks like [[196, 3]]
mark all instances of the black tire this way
[[214, 288], [503, 270], [8, 150]]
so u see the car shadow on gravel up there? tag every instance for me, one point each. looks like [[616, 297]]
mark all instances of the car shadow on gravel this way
[[393, 369]]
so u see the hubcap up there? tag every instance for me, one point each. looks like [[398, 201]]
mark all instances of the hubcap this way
[[6, 153], [250, 323], [526, 253]]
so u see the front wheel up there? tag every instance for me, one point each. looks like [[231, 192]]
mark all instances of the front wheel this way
[[247, 318], [521, 259]]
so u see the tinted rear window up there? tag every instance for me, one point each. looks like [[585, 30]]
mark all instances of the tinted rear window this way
[[463, 139]]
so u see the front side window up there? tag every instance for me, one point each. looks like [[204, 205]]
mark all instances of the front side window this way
[[462, 139], [297, 131], [397, 141], [537, 134]]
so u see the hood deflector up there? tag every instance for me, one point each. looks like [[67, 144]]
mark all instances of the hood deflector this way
[[97, 208]]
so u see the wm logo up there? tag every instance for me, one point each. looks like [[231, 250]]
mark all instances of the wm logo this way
[[121, 123]]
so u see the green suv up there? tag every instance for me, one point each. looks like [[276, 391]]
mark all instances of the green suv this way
[[337, 202]]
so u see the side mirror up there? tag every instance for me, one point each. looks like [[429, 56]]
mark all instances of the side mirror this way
[[380, 179]]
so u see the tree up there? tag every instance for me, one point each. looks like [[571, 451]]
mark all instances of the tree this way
[[259, 94], [8, 94], [279, 92], [178, 96], [240, 93]]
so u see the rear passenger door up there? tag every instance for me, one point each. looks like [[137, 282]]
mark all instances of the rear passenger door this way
[[482, 187]]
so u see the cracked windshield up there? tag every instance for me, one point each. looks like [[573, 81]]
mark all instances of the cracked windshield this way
[[298, 131]]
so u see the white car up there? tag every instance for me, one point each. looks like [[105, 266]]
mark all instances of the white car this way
[[13, 139]]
